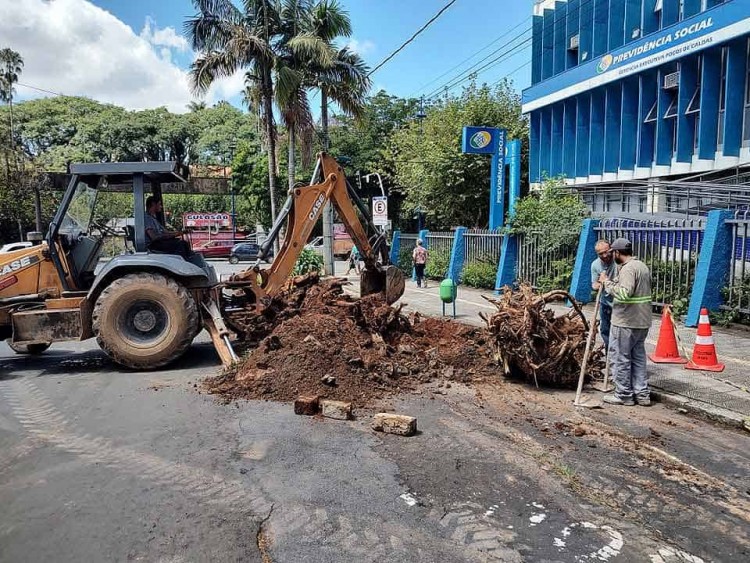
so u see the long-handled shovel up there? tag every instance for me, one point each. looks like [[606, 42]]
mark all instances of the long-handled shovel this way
[[587, 353]]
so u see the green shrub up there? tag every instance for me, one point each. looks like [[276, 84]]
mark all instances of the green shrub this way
[[480, 274], [404, 261], [308, 261], [559, 276], [437, 265]]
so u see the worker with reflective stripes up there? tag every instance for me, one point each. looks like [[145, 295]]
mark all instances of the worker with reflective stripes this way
[[631, 319]]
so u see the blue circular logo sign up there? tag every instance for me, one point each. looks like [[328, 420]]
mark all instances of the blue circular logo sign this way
[[480, 140]]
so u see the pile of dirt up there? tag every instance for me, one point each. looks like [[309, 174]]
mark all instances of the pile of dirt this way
[[317, 340], [531, 342]]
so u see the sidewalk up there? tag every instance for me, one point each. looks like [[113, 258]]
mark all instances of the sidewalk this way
[[722, 396]]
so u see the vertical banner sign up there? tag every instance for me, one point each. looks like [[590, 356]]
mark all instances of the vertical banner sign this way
[[514, 174], [380, 211], [492, 141], [497, 219]]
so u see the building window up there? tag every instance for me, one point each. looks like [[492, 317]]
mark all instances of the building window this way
[[651, 115], [658, 5]]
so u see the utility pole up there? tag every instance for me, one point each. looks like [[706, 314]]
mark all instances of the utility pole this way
[[329, 263]]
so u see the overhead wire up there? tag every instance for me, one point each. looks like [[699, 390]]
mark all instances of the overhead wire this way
[[431, 82], [412, 38], [474, 69]]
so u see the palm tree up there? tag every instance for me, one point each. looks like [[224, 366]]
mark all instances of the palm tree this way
[[196, 106], [229, 39], [346, 81], [261, 39], [11, 66]]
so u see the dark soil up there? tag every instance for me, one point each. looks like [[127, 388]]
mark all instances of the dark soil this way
[[365, 349]]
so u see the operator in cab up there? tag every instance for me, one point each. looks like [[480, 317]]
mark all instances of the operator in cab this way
[[158, 237]]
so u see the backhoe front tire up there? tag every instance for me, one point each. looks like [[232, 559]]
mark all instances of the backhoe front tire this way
[[145, 321], [31, 349]]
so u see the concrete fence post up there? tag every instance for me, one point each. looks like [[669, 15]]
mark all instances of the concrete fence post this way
[[714, 261], [506, 269], [580, 285], [456, 264], [395, 247]]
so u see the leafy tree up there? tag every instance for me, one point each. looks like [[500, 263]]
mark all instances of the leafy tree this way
[[430, 170], [251, 184]]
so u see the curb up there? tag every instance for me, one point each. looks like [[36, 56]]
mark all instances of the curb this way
[[693, 406]]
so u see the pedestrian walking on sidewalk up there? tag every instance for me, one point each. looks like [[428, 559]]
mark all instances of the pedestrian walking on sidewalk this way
[[604, 263], [353, 261], [631, 319], [420, 256]]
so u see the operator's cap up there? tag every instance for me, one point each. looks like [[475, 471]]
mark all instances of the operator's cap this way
[[621, 244]]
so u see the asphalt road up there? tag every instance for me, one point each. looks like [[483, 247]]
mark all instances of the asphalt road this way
[[103, 464]]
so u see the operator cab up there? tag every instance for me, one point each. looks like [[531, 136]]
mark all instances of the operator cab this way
[[76, 239]]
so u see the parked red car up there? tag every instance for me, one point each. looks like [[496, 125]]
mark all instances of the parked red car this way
[[215, 248]]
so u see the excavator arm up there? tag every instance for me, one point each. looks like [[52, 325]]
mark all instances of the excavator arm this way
[[300, 214]]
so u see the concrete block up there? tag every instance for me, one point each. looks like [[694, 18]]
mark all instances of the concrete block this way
[[307, 405], [336, 409], [399, 424]]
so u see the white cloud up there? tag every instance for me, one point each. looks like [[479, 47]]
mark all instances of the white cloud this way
[[76, 48], [362, 48], [165, 37]]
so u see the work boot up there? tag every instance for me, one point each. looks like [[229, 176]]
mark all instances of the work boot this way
[[644, 401], [615, 400]]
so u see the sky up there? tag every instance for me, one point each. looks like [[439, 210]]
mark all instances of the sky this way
[[133, 52]]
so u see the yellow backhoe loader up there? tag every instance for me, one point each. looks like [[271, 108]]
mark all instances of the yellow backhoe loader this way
[[145, 308]]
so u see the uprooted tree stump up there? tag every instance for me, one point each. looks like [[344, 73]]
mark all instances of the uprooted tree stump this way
[[529, 341]]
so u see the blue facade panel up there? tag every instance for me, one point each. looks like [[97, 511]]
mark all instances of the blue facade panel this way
[[649, 18], [686, 120], [559, 57], [534, 146], [586, 33], [629, 124], [596, 147], [569, 138], [548, 42], [556, 156], [601, 29], [616, 24], [670, 12], [735, 96], [709, 108], [647, 127], [690, 8], [573, 28], [537, 28], [665, 125], [632, 20], [612, 127], [545, 142], [583, 134]]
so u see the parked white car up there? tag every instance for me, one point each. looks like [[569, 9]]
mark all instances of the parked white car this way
[[13, 246]]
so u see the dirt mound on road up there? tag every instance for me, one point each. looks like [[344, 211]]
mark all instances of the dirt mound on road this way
[[363, 347]]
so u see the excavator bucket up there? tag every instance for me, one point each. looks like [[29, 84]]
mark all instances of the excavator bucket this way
[[388, 280]]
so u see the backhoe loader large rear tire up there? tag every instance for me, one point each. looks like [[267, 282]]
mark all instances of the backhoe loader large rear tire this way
[[145, 321]]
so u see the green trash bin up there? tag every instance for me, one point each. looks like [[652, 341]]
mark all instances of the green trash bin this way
[[448, 292]]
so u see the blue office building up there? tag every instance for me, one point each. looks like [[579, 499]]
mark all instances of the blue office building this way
[[639, 92]]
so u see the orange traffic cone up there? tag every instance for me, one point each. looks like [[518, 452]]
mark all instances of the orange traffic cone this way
[[666, 347], [704, 352]]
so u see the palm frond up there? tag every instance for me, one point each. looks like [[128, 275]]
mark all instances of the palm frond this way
[[330, 20]]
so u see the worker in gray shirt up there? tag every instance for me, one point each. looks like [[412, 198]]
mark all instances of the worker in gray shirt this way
[[604, 263], [631, 319]]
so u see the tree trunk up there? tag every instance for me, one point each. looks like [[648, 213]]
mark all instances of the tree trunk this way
[[324, 118], [38, 208], [291, 156], [271, 134]]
